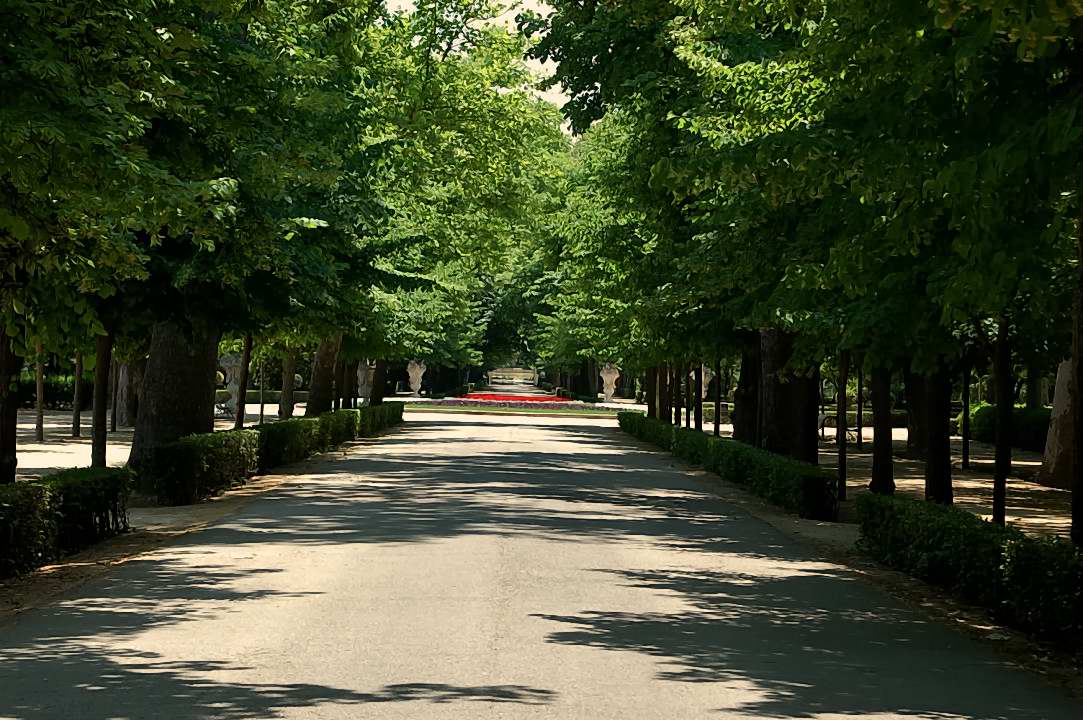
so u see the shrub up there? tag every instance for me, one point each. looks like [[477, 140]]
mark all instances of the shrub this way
[[339, 426], [92, 504], [28, 527], [1029, 425], [288, 441], [42, 520], [377, 417], [802, 488], [199, 466], [1031, 583]]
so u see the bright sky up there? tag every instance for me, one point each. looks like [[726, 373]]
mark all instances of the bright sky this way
[[553, 95]]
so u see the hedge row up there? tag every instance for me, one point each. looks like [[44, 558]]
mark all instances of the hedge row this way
[[802, 488], [1034, 584], [42, 520], [200, 466], [270, 397], [1029, 425]]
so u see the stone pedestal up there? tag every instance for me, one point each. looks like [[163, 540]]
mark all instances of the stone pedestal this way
[[610, 374], [231, 367], [1057, 464], [416, 370], [708, 375]]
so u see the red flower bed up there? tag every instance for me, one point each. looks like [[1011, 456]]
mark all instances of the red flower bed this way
[[514, 398]]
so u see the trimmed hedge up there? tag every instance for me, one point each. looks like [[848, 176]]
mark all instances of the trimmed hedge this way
[[1034, 584], [42, 520], [288, 441], [799, 487], [1029, 425], [199, 466]]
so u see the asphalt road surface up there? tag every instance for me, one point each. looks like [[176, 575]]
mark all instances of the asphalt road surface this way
[[474, 566]]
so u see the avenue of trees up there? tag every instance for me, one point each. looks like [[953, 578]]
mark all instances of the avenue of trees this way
[[878, 187], [319, 183]]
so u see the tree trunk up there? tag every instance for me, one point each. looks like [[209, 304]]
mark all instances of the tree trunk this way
[[103, 352], [321, 391], [883, 470], [77, 399], [964, 429], [1035, 397], [289, 369], [242, 383], [379, 382], [39, 384], [340, 383], [1076, 401], [665, 397], [678, 400], [840, 420], [860, 404], [650, 389], [917, 430], [114, 395], [789, 402], [178, 388], [10, 365], [688, 398], [937, 406], [698, 397], [718, 397], [1002, 464], [745, 413]]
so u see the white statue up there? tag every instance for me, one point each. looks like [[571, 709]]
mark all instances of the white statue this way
[[365, 372], [610, 374], [231, 367], [416, 370], [708, 375]]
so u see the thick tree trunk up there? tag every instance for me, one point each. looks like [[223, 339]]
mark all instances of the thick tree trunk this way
[[130, 385], [917, 430], [10, 365], [746, 401], [718, 397], [242, 383], [665, 395], [379, 382], [289, 369], [840, 420], [964, 427], [1002, 464], [178, 388], [650, 389], [114, 395], [698, 397], [39, 385], [321, 391], [937, 406], [883, 470], [77, 398], [1035, 396], [103, 352], [340, 383], [689, 400], [790, 401]]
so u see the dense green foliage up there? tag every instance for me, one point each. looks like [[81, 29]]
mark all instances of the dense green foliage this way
[[1029, 425], [1031, 583], [798, 487], [288, 441], [43, 520]]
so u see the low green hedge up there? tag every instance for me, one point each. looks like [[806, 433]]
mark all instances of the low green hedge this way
[[802, 488], [42, 520], [1029, 425], [200, 466], [289, 441], [1034, 584]]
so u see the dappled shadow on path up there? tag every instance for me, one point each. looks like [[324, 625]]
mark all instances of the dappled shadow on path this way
[[782, 633]]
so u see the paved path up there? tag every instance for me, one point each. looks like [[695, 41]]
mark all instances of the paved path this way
[[479, 567]]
